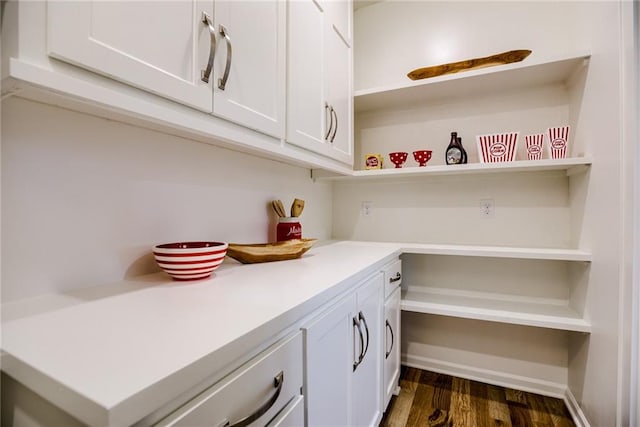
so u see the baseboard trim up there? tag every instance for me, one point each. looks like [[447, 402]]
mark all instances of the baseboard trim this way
[[531, 385], [576, 412]]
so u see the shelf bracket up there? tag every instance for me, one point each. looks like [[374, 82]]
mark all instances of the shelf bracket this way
[[575, 170]]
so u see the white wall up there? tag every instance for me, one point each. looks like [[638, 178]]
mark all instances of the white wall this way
[[393, 37], [530, 210], [84, 199], [593, 362]]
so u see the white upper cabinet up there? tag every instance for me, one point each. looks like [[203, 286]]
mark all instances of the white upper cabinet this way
[[319, 95], [253, 44], [221, 72], [165, 47], [339, 14], [159, 47], [306, 122], [339, 97]]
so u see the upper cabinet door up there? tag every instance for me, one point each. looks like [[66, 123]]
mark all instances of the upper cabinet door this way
[[319, 97], [339, 14], [160, 47], [339, 96], [307, 115], [249, 71]]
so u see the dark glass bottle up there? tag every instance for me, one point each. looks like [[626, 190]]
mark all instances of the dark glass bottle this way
[[455, 154], [464, 152]]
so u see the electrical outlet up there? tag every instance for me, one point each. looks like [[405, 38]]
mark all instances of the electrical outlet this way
[[487, 208], [366, 209]]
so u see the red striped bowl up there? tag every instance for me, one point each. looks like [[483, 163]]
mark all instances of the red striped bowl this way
[[190, 260]]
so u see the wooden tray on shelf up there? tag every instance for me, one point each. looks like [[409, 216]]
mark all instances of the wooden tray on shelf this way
[[469, 64], [267, 252]]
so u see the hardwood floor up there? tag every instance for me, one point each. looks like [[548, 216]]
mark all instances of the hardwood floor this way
[[431, 399]]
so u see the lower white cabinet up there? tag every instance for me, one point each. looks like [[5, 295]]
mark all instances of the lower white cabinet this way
[[291, 416], [343, 357], [391, 341], [391, 364], [264, 391]]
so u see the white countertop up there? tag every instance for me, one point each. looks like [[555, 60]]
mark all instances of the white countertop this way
[[109, 356]]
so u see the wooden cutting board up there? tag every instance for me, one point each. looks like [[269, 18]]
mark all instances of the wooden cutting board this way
[[469, 64]]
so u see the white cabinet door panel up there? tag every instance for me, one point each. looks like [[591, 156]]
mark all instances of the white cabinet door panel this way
[[391, 345], [339, 15], [367, 381], [159, 47], [329, 354], [343, 355], [319, 98], [254, 93], [306, 124], [291, 416], [338, 72]]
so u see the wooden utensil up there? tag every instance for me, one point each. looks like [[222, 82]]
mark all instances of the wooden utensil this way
[[278, 208], [297, 207], [469, 64]]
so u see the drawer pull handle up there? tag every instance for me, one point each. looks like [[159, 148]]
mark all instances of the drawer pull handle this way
[[396, 278], [204, 74], [223, 81], [358, 360], [329, 108], [386, 355], [334, 113], [366, 329], [278, 380]]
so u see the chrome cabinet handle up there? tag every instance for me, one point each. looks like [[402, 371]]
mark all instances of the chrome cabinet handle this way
[[396, 278], [330, 108], [386, 355], [366, 329], [204, 74], [358, 360], [223, 81], [335, 127], [278, 380]]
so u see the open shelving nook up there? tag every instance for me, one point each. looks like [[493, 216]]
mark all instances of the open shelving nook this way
[[479, 291], [555, 311]]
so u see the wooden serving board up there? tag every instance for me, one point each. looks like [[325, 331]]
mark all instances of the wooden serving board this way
[[469, 64], [267, 252]]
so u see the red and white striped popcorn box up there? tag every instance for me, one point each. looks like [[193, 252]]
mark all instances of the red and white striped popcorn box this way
[[558, 142], [534, 146], [497, 147]]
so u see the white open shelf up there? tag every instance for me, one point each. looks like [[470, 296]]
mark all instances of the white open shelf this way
[[554, 314], [570, 165], [475, 82], [504, 308], [497, 252]]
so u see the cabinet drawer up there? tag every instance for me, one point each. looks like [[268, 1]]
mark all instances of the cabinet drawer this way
[[292, 415], [392, 277], [263, 386]]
